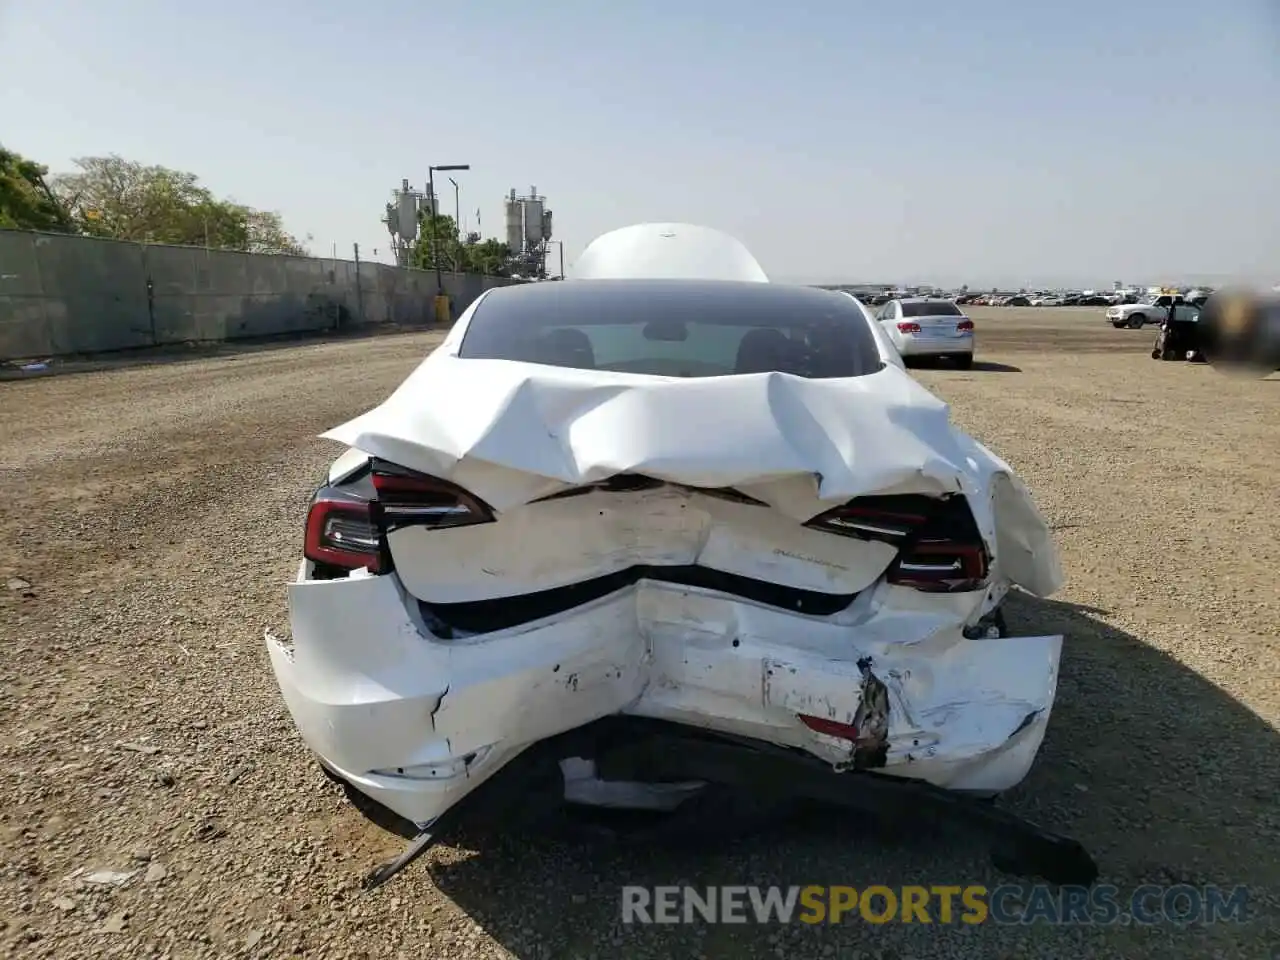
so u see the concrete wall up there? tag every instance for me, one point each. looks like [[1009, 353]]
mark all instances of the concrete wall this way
[[62, 295]]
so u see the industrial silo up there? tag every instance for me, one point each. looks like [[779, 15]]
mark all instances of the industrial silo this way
[[533, 206], [406, 212], [515, 222]]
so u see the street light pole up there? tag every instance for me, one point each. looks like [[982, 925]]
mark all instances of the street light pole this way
[[431, 212], [442, 302], [457, 219]]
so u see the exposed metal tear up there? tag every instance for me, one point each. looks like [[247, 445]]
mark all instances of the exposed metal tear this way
[[1026, 722], [871, 720], [436, 708]]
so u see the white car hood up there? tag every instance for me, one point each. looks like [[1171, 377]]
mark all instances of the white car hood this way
[[512, 432]]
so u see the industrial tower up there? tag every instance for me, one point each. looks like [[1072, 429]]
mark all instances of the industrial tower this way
[[403, 214], [528, 230]]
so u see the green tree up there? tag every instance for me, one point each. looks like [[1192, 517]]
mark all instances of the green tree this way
[[439, 236], [491, 257], [26, 202], [266, 234], [126, 200]]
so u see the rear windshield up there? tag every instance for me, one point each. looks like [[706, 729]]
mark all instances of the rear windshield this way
[[674, 329], [930, 308]]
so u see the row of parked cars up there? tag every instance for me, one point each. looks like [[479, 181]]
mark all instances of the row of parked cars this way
[[1013, 299], [1134, 304], [1036, 300]]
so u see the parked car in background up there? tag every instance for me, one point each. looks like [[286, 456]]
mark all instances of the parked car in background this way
[[929, 327], [1150, 309]]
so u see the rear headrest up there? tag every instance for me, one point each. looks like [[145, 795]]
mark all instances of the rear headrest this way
[[567, 348], [763, 350]]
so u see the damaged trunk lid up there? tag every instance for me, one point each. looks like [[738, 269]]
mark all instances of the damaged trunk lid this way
[[613, 471]]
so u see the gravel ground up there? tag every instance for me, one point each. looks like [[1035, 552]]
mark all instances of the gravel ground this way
[[153, 513]]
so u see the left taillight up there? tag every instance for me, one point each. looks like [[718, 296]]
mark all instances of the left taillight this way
[[342, 533], [348, 522]]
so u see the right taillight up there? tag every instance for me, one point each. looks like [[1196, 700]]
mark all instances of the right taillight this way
[[941, 566], [939, 547], [406, 498], [891, 519], [964, 325]]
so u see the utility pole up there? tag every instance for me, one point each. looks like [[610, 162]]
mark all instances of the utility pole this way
[[431, 212], [457, 208], [355, 250], [457, 217], [442, 301]]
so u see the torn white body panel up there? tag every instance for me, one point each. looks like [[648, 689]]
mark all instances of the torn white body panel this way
[[801, 446], [417, 722], [603, 533]]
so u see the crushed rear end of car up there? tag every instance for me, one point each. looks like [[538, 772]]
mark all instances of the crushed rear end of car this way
[[576, 591]]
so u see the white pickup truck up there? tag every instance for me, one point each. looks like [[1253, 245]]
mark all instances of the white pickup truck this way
[[1147, 310]]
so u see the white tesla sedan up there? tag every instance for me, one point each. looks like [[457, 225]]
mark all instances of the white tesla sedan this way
[[929, 327], [671, 499]]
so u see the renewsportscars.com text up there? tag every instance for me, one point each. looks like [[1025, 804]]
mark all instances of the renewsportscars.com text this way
[[1102, 904]]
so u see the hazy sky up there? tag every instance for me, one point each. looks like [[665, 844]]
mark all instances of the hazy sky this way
[[989, 141]]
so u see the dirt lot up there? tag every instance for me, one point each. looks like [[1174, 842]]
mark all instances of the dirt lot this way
[[156, 511]]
